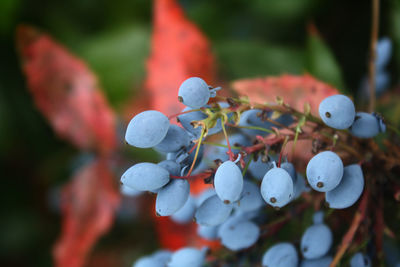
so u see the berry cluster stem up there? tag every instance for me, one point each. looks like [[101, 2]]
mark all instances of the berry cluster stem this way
[[348, 237]]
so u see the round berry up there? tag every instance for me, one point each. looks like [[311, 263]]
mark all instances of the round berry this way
[[194, 92], [337, 111]]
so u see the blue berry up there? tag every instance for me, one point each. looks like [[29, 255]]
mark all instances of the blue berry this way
[[212, 212], [194, 92], [316, 241], [280, 255], [320, 262], [147, 129], [208, 232], [162, 255], [172, 197], [259, 168], [324, 171], [289, 167], [240, 236], [171, 166], [233, 220], [251, 198], [148, 261], [277, 187], [349, 190], [337, 111], [383, 53], [187, 257], [186, 213], [203, 196], [300, 186], [360, 260], [145, 176], [367, 125], [129, 192], [175, 139], [228, 182], [318, 217]]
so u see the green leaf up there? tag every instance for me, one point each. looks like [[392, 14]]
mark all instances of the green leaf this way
[[244, 59], [8, 14], [118, 58], [321, 62]]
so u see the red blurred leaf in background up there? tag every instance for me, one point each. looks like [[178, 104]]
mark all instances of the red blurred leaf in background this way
[[66, 92], [175, 236], [88, 204], [295, 90], [178, 51]]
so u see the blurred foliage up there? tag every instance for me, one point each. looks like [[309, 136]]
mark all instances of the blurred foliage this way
[[321, 62], [249, 38], [118, 58], [259, 59]]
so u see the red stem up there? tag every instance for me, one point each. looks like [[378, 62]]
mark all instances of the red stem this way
[[180, 113], [348, 237], [202, 175], [379, 227], [193, 148]]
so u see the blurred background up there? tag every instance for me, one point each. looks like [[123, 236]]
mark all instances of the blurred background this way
[[328, 39]]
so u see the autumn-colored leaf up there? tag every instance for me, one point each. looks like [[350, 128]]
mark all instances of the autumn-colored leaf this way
[[66, 92], [294, 90], [179, 51], [88, 204], [174, 236]]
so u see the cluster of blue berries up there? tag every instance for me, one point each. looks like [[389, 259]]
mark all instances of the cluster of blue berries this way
[[338, 112], [384, 50], [232, 210], [315, 245]]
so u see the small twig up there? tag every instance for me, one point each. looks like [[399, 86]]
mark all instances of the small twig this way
[[193, 148], [229, 152], [348, 237], [220, 145], [247, 164], [273, 227], [372, 56], [379, 226], [282, 150], [197, 152], [250, 127], [202, 175], [184, 112]]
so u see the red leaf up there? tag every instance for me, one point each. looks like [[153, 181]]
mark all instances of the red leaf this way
[[295, 90], [66, 92], [88, 204], [174, 236], [179, 51]]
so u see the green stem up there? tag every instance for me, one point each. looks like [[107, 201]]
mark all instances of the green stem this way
[[220, 145], [247, 164], [251, 128], [197, 152]]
